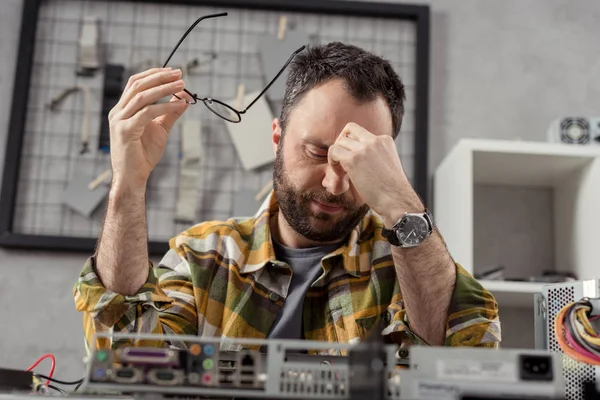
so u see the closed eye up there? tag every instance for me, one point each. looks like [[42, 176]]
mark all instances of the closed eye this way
[[317, 155], [316, 151]]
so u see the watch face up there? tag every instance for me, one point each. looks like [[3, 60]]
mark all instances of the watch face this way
[[413, 229]]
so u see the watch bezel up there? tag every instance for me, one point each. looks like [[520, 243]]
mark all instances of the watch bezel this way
[[402, 223]]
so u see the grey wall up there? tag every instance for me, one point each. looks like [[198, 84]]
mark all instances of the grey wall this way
[[505, 69], [36, 305], [500, 69]]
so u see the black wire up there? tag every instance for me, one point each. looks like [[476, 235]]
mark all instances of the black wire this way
[[57, 389], [566, 321], [59, 381], [78, 386]]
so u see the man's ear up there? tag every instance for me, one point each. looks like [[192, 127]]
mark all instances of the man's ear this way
[[276, 137]]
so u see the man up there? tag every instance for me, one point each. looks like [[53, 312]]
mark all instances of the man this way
[[330, 254]]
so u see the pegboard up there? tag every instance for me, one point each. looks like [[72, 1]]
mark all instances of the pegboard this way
[[43, 149]]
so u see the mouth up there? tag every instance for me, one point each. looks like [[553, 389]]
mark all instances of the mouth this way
[[327, 207]]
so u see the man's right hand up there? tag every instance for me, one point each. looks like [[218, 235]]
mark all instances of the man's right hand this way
[[139, 127]]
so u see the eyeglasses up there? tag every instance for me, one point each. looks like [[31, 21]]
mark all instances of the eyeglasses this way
[[218, 107]]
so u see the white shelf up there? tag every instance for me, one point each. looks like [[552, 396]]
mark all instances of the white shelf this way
[[571, 172], [513, 294], [525, 163]]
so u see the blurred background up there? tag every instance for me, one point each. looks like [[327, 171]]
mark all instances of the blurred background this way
[[509, 72]]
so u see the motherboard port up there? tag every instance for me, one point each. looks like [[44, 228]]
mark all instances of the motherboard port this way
[[194, 378], [148, 356], [165, 377], [248, 360], [246, 369], [126, 375], [226, 376]]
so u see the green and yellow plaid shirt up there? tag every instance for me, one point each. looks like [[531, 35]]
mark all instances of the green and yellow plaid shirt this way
[[221, 279]]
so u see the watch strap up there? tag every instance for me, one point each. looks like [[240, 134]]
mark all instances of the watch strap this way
[[429, 218], [390, 236]]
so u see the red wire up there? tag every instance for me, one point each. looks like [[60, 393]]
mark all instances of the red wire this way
[[42, 358]]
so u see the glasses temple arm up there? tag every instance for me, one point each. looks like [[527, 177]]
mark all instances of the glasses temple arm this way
[[273, 80], [188, 32]]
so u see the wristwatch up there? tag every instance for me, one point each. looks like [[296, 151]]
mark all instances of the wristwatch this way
[[411, 230]]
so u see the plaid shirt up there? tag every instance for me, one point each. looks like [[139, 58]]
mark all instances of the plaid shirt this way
[[221, 278]]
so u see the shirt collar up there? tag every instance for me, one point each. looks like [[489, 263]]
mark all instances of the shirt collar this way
[[261, 251]]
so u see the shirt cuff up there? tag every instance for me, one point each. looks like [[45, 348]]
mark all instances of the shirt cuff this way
[[400, 326], [472, 317], [93, 297], [473, 314]]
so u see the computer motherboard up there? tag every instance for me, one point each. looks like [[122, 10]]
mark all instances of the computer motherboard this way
[[245, 368]]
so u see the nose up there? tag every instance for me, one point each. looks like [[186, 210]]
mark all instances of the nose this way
[[336, 180]]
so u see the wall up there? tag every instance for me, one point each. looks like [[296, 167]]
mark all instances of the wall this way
[[505, 69], [36, 305], [499, 69]]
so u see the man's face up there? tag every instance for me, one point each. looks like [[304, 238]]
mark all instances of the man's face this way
[[317, 200]]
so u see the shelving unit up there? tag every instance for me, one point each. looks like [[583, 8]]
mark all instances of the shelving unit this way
[[569, 174], [513, 294]]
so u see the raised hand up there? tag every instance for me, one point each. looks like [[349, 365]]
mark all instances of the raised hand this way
[[139, 126]]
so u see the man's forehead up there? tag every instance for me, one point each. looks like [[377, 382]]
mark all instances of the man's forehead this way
[[325, 134], [324, 111]]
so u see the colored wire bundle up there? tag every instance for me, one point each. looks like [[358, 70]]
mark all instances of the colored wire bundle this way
[[575, 334], [42, 358], [49, 378]]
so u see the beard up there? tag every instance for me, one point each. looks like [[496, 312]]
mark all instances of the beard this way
[[295, 205]]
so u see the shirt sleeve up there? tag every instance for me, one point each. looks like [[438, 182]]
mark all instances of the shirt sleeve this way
[[164, 304], [472, 316]]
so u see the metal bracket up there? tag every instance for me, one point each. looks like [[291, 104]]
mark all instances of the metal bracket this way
[[540, 319]]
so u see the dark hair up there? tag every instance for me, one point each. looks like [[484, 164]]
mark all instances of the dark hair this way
[[366, 75]]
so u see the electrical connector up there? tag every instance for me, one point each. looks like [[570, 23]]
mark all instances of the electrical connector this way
[[13, 379], [595, 303]]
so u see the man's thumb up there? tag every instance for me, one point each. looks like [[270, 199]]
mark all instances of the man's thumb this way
[[178, 107]]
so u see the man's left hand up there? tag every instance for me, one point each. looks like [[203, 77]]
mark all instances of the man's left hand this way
[[374, 168]]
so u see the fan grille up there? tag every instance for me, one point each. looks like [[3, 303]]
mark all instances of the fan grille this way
[[575, 131], [575, 373]]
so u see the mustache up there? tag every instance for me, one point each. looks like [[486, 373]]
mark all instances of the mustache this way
[[325, 197]]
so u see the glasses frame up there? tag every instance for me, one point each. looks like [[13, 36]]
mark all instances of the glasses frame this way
[[208, 100]]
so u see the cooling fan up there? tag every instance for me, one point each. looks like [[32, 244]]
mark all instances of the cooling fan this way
[[575, 130]]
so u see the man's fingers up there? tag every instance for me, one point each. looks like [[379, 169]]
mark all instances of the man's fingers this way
[[150, 96], [149, 81], [132, 79], [144, 74], [182, 95], [357, 132], [349, 143], [158, 111], [337, 155], [168, 120]]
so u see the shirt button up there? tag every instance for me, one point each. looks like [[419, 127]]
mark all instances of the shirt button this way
[[273, 296]]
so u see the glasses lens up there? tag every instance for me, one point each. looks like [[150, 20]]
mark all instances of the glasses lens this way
[[222, 110]]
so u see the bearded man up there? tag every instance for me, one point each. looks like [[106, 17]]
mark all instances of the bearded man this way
[[342, 244]]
